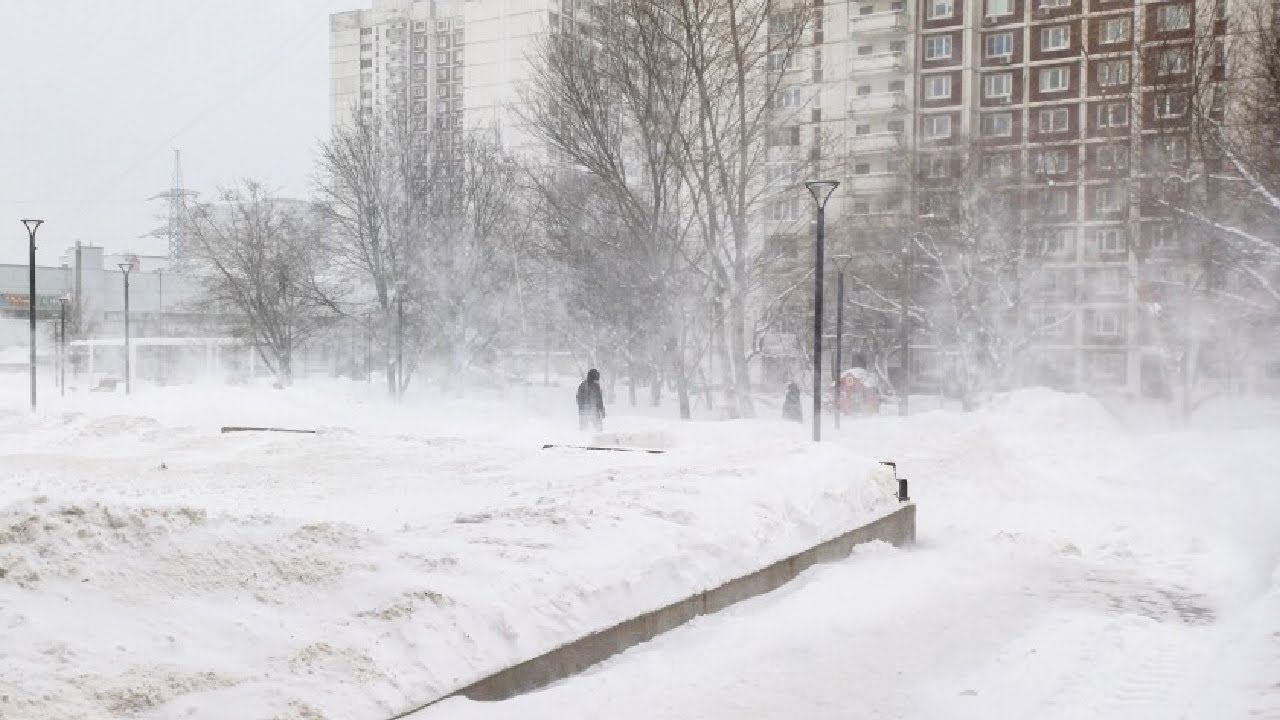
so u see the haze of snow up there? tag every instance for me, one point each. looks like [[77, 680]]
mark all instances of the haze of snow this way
[[151, 567], [1067, 568]]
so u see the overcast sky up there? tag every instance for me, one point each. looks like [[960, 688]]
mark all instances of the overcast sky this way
[[97, 94]]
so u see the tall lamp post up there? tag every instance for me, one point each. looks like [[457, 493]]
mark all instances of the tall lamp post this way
[[821, 191], [62, 344], [125, 268], [400, 287], [842, 264], [32, 226]]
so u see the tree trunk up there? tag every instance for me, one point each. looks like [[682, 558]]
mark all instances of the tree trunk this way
[[741, 375]]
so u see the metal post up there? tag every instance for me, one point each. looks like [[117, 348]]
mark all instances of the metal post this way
[[839, 341], [32, 226], [905, 325], [817, 324], [62, 346], [128, 383], [821, 191], [400, 286]]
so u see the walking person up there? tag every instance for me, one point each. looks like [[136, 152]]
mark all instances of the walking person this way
[[591, 402], [791, 405]]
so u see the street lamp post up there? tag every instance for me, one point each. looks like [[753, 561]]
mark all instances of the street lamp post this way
[[905, 324], [62, 345], [842, 264], [821, 191], [400, 286], [125, 268], [32, 226]]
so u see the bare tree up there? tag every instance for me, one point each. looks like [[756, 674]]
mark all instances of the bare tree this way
[[264, 259]]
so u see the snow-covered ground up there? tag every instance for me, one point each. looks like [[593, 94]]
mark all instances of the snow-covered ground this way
[[152, 567], [1068, 567]]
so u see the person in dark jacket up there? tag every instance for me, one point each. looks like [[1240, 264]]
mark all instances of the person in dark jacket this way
[[591, 402], [791, 406]]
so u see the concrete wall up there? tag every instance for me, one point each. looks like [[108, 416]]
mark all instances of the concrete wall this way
[[898, 528]]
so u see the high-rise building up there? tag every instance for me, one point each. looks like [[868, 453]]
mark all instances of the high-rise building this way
[[452, 64], [1069, 110]]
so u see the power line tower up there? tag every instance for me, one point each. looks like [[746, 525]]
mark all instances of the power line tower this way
[[174, 229]]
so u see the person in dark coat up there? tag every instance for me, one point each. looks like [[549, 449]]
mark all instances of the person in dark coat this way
[[791, 406], [591, 402]]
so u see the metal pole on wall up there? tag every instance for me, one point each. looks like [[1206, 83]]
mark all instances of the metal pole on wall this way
[[821, 191], [124, 268], [32, 226]]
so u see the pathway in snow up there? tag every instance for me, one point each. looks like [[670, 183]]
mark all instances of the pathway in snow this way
[[1065, 570]]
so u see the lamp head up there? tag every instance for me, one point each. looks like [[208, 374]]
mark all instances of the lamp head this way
[[125, 267], [32, 225], [821, 190]]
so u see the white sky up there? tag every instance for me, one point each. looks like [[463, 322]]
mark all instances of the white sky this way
[[97, 94]]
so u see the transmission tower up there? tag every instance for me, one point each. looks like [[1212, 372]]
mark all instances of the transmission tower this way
[[174, 229]]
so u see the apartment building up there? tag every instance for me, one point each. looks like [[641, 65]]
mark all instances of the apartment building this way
[[452, 64], [1069, 110]]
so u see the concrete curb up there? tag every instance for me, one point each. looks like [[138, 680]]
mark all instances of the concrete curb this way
[[897, 528]]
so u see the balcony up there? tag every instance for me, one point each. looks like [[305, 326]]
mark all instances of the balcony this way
[[876, 182], [876, 63], [882, 22], [877, 103], [875, 142]]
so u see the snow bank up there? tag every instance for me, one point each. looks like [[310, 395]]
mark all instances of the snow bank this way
[[1037, 409], [153, 568]]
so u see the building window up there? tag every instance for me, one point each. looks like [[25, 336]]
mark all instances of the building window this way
[[781, 174], [1173, 62], [866, 9], [863, 90], [862, 129], [1106, 200], [1171, 105], [937, 87], [366, 63], [442, 74], [997, 165], [1053, 162], [937, 47], [865, 49], [1051, 4], [366, 31], [420, 91], [1107, 323], [1054, 241], [999, 8], [999, 45], [1053, 120], [937, 127], [862, 168], [779, 61], [1111, 157], [1114, 114], [937, 9], [1164, 237], [862, 208], [785, 210], [997, 86], [1110, 240], [937, 167], [1056, 202], [1173, 17], [787, 98], [1113, 72], [1115, 30], [896, 126], [898, 46], [997, 124], [442, 58], [785, 136], [1057, 37], [897, 86], [1054, 79], [457, 57]]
